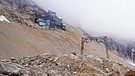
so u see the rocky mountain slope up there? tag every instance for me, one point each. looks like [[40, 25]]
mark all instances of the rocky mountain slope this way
[[17, 40]]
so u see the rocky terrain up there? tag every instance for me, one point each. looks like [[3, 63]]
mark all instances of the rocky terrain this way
[[36, 51], [48, 64]]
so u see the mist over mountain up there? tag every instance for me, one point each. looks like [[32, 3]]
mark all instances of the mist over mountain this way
[[112, 18]]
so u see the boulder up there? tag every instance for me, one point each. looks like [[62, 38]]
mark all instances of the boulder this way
[[9, 69]]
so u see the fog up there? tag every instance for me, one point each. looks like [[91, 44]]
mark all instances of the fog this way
[[114, 18]]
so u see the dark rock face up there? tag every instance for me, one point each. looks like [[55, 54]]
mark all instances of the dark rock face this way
[[61, 65], [123, 50]]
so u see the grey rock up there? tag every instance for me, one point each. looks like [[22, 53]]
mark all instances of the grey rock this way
[[9, 69]]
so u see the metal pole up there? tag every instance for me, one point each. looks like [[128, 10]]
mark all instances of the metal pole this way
[[82, 46], [105, 42], [106, 46], [107, 53]]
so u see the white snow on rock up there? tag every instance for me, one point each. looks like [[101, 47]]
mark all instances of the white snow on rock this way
[[59, 17], [131, 63], [3, 18]]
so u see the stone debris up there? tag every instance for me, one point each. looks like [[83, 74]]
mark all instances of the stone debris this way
[[61, 65]]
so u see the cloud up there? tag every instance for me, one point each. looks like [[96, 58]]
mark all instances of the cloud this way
[[104, 17]]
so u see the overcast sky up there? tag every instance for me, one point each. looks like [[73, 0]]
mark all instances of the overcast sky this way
[[103, 17]]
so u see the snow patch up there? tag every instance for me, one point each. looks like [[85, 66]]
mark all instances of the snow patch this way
[[59, 17], [3, 18], [131, 63]]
